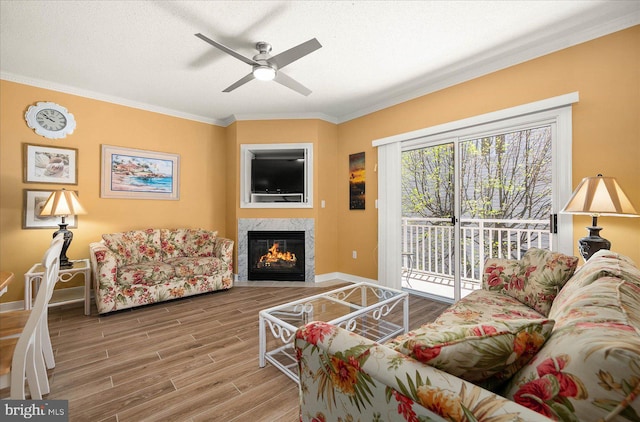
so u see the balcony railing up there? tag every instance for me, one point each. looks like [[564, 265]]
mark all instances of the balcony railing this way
[[427, 244]]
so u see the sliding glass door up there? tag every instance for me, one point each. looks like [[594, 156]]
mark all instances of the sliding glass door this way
[[428, 210], [471, 197]]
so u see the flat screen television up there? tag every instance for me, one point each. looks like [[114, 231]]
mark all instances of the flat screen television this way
[[277, 175]]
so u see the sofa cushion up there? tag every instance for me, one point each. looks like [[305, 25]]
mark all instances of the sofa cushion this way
[[478, 352], [194, 266], [134, 246], [535, 280], [603, 263], [606, 300], [200, 242], [482, 306], [148, 273]]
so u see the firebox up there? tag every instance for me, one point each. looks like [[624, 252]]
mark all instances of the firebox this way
[[276, 255]]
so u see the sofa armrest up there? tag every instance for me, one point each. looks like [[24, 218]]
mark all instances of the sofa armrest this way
[[104, 265], [223, 249], [343, 374]]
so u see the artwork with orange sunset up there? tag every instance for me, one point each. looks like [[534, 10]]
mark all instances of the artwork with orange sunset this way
[[356, 181]]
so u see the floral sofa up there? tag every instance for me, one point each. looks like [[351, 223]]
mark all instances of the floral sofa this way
[[529, 346], [147, 266]]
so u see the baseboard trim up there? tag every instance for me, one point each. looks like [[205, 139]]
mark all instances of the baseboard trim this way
[[18, 305], [343, 277], [321, 278]]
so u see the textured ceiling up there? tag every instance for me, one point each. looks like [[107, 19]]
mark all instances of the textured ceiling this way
[[374, 53]]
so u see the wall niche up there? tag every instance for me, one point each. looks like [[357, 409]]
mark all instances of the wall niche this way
[[276, 175]]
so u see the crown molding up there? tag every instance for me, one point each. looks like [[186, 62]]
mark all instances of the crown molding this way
[[161, 110], [617, 17], [279, 116], [104, 97]]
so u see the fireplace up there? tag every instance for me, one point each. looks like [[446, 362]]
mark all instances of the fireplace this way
[[245, 225], [276, 255]]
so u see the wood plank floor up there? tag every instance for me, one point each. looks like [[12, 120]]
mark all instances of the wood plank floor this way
[[194, 359]]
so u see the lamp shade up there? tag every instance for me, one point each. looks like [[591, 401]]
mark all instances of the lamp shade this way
[[600, 195], [62, 202]]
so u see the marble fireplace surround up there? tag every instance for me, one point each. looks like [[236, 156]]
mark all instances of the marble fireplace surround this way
[[283, 224]]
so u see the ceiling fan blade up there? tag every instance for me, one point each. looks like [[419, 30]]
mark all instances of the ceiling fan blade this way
[[295, 53], [227, 50], [239, 83], [289, 82]]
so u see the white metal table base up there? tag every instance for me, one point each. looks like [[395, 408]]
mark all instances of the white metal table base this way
[[283, 320]]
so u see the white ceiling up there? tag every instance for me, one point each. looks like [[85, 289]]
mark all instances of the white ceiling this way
[[374, 53]]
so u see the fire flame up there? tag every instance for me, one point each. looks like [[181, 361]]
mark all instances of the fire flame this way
[[275, 255]]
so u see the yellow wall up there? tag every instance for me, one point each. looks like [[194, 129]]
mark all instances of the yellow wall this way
[[606, 139], [327, 179], [606, 131], [202, 161]]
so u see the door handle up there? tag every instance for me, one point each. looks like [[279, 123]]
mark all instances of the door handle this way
[[553, 223]]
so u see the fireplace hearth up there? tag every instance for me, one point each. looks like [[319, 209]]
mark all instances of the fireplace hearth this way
[[276, 255]]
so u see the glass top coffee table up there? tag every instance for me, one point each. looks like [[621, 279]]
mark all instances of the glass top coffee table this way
[[364, 308]]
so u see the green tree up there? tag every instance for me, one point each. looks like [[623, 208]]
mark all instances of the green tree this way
[[506, 176], [427, 182]]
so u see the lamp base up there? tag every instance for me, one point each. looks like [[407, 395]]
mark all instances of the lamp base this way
[[593, 243], [68, 237], [66, 266]]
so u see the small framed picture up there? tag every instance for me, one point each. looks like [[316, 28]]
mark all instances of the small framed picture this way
[[356, 181], [43, 164], [139, 174], [34, 200]]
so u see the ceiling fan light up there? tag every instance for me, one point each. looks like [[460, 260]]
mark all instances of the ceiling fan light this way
[[264, 73]]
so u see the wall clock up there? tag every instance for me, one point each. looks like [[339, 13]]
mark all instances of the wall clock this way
[[50, 120]]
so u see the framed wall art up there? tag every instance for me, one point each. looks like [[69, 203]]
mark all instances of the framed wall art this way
[[139, 174], [33, 201], [356, 181], [43, 164]]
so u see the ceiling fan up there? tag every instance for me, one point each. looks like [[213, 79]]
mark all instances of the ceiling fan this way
[[267, 67]]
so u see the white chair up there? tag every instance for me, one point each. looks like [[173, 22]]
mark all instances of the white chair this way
[[22, 357], [13, 323]]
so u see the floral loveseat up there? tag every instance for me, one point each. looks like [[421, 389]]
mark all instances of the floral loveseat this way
[[146, 266], [513, 351]]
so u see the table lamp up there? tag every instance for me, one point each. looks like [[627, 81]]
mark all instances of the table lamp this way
[[63, 203], [596, 196]]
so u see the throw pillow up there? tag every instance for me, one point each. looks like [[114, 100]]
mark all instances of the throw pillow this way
[[489, 352], [118, 244], [200, 242], [535, 280], [173, 241], [134, 246]]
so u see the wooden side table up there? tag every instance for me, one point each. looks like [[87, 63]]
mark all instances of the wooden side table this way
[[33, 278]]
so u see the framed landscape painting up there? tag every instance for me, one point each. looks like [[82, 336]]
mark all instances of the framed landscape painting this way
[[43, 164], [139, 174]]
